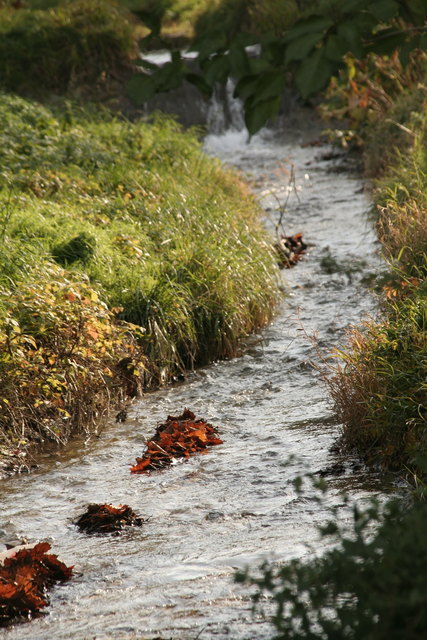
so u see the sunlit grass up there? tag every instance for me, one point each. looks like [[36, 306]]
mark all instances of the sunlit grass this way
[[381, 391], [160, 234]]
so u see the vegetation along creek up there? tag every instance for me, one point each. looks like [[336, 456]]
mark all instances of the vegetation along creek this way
[[195, 443], [173, 576]]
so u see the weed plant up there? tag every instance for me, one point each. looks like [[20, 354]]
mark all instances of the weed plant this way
[[369, 584], [76, 43], [381, 391], [256, 17], [381, 395], [155, 233]]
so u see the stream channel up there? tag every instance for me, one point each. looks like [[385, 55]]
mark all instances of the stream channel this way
[[236, 505]]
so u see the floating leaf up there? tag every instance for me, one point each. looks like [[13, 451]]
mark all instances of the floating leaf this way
[[178, 437], [289, 250], [104, 518], [24, 577]]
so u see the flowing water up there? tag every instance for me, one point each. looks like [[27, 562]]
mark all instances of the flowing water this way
[[236, 505]]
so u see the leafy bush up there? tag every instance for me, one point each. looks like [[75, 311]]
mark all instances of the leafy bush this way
[[60, 348], [72, 44], [162, 236], [381, 394], [370, 584]]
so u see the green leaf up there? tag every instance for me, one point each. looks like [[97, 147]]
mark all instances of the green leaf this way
[[384, 10], [141, 88], [414, 11], [256, 115], [387, 41], [351, 35], [200, 83], [269, 85], [303, 27], [354, 6], [254, 88], [239, 63], [258, 65], [212, 44], [245, 39], [169, 76], [407, 49], [314, 73], [145, 64], [300, 48], [274, 52], [216, 69], [335, 48], [246, 86]]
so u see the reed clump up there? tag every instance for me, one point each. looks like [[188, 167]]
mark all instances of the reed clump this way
[[380, 392]]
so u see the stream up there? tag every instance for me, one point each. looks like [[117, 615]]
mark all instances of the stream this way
[[172, 578]]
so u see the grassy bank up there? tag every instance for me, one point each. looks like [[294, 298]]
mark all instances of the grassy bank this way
[[72, 46], [381, 394], [129, 256]]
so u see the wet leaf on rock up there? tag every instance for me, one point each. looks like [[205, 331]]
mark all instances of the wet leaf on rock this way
[[289, 250], [24, 578], [178, 437], [104, 518]]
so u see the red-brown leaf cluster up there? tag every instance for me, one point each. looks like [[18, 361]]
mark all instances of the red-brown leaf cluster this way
[[103, 518], [401, 289], [290, 249], [179, 437], [24, 578]]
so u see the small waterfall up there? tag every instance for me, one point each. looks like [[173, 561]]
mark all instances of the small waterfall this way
[[221, 113], [225, 112]]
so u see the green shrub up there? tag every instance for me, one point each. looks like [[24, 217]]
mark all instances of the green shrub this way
[[72, 44], [370, 583], [162, 235], [381, 394], [60, 348]]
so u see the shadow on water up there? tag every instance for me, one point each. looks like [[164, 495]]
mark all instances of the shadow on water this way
[[172, 577]]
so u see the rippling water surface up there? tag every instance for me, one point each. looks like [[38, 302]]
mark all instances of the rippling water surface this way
[[172, 577]]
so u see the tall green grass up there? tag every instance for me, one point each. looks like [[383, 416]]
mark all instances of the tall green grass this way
[[160, 233], [381, 391], [73, 44]]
